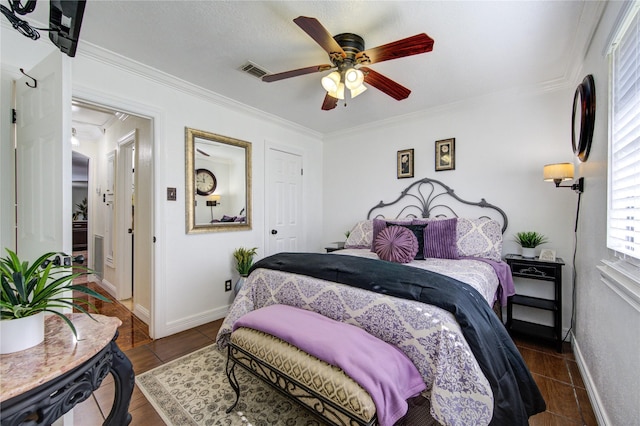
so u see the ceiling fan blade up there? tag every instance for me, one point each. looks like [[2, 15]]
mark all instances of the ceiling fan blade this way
[[385, 84], [329, 102], [202, 152], [420, 43], [294, 73], [316, 31]]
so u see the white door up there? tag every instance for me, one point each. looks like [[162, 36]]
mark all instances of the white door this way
[[284, 201], [125, 192], [43, 158]]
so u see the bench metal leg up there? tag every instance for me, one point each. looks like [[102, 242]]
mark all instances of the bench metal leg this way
[[233, 381]]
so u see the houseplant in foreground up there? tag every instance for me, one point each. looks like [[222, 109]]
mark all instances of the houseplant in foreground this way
[[244, 259], [529, 240], [27, 291]]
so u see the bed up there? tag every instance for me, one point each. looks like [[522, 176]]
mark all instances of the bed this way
[[472, 371]]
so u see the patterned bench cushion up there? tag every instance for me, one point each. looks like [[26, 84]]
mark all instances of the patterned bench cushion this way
[[325, 379]]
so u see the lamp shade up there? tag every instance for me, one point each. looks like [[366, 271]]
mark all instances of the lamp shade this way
[[215, 198], [331, 82], [353, 78], [358, 90], [558, 172], [339, 92]]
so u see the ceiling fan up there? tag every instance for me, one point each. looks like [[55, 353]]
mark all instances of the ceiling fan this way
[[347, 56]]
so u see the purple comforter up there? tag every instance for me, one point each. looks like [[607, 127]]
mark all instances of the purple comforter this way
[[355, 351]]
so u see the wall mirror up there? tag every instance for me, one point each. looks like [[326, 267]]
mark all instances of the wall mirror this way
[[218, 182]]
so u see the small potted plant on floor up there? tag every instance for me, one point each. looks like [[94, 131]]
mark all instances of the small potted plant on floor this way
[[27, 291], [244, 260], [529, 240]]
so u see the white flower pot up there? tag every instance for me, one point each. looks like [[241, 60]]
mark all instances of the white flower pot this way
[[22, 333], [528, 252], [239, 284]]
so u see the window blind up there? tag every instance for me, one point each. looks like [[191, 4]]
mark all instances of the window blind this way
[[623, 233]]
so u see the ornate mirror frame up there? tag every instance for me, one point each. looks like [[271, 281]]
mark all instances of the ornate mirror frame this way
[[197, 142]]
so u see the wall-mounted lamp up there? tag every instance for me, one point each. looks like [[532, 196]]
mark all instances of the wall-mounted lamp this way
[[213, 200], [560, 172]]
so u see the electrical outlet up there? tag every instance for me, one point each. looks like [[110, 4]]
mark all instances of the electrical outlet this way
[[227, 285]]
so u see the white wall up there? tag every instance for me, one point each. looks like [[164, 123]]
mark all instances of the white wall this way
[[607, 339], [190, 270], [502, 144]]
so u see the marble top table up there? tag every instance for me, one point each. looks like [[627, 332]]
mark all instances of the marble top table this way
[[47, 380]]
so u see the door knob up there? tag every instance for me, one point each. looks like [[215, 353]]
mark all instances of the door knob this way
[[274, 231]]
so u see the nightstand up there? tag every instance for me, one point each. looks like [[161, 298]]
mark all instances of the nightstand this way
[[542, 270], [337, 245]]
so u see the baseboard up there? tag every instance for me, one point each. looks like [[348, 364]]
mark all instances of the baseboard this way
[[195, 320], [594, 397], [142, 313], [107, 286]]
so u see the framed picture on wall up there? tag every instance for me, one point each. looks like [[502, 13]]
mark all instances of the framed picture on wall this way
[[405, 163], [446, 154]]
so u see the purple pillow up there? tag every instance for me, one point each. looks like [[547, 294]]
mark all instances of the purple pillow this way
[[380, 224], [396, 244], [440, 239], [418, 231]]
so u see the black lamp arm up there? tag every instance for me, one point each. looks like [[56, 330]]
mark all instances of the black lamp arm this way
[[578, 187]]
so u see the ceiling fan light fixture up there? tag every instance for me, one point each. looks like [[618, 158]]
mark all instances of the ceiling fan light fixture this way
[[331, 82], [353, 78], [358, 90], [339, 93]]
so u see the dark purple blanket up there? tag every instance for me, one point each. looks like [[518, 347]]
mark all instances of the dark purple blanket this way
[[380, 368]]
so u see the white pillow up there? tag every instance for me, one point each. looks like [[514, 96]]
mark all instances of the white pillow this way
[[479, 238]]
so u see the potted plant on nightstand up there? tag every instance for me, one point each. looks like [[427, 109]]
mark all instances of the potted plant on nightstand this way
[[244, 260], [27, 291], [529, 241]]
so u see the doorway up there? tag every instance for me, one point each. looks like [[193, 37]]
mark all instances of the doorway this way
[[80, 204], [121, 149]]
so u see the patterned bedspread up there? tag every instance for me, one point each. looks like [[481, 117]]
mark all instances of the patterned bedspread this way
[[479, 275], [459, 392]]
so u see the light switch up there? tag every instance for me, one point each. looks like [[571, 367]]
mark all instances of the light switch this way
[[171, 194]]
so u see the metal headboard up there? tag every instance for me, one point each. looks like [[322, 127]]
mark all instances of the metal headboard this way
[[429, 199]]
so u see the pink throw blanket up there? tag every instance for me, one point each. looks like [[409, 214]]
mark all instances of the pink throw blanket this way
[[380, 368]]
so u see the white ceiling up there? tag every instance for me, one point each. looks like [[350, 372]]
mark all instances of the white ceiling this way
[[481, 47]]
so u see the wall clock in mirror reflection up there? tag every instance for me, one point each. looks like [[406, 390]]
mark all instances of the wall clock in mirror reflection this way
[[583, 118], [206, 182]]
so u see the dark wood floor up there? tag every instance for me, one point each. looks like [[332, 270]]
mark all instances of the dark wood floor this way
[[557, 375]]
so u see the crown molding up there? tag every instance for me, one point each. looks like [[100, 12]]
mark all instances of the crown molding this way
[[107, 57]]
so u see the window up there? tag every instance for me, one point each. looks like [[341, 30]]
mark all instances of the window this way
[[623, 230]]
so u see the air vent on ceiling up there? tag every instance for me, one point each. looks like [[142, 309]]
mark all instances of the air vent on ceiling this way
[[253, 69]]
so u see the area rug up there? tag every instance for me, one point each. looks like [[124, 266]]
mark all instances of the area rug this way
[[194, 390]]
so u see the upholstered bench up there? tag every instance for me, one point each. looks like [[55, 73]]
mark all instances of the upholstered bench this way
[[320, 387]]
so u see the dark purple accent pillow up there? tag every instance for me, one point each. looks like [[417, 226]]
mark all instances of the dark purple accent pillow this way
[[378, 225], [418, 231], [396, 244], [440, 239], [226, 218]]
